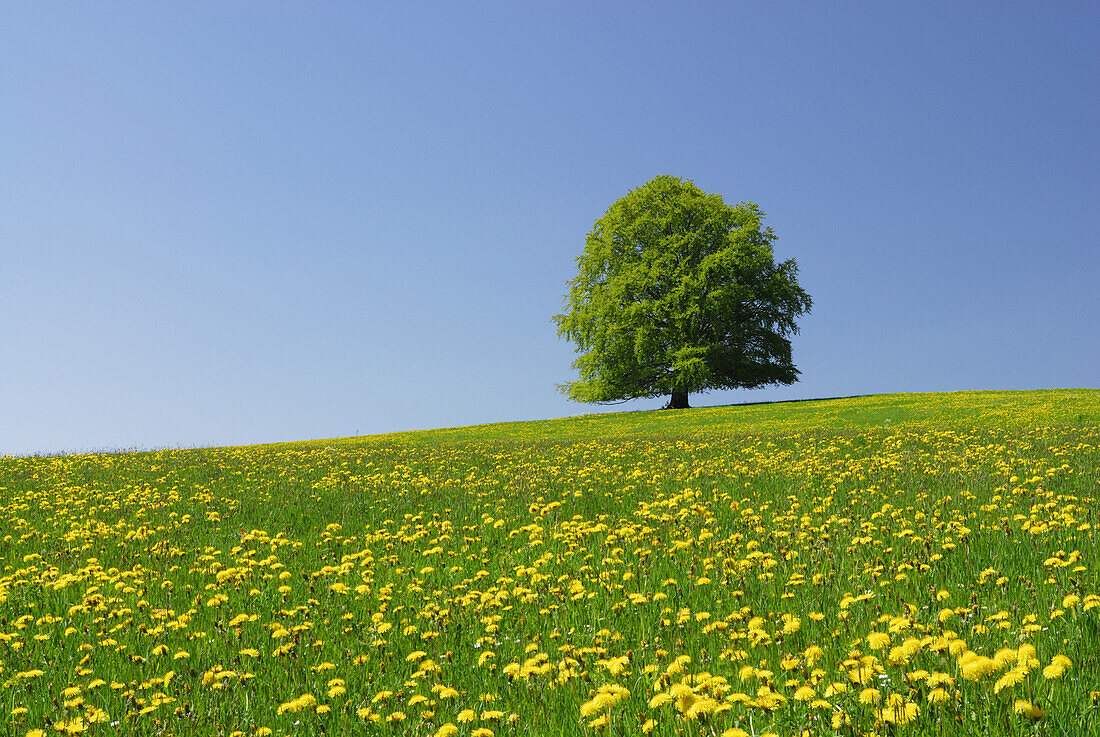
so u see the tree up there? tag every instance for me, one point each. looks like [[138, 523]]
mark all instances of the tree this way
[[678, 292]]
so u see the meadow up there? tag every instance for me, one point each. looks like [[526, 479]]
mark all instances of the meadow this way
[[886, 565]]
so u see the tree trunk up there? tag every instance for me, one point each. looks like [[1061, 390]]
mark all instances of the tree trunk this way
[[679, 400]]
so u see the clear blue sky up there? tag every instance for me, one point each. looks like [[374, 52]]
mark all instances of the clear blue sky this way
[[228, 223]]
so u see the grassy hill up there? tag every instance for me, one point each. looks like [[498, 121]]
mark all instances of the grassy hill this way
[[918, 564]]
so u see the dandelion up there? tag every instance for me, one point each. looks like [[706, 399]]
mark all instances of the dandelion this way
[[805, 693], [703, 707], [870, 696], [878, 640], [615, 666], [789, 663], [660, 700], [938, 696], [1059, 664], [900, 714], [1009, 679], [1027, 709], [974, 667]]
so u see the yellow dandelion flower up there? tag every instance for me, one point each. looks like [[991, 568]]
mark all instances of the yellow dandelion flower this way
[[789, 662], [1005, 657], [1059, 664], [596, 704], [659, 700], [900, 714], [1027, 709], [938, 696], [974, 667], [466, 715], [1009, 679], [937, 679], [615, 666], [878, 640], [446, 730], [1026, 657], [705, 706]]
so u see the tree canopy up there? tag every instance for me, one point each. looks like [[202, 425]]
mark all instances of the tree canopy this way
[[678, 292]]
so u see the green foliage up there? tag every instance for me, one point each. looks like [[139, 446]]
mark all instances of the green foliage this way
[[677, 291]]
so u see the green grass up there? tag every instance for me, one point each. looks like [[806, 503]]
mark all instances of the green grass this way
[[691, 572]]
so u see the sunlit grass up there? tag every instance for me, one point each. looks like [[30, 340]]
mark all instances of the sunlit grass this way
[[903, 564]]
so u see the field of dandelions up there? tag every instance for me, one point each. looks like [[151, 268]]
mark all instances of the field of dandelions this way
[[889, 565]]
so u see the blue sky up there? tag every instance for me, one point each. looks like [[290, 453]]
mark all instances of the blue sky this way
[[229, 223]]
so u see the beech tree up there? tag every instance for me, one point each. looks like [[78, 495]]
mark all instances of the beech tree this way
[[677, 292]]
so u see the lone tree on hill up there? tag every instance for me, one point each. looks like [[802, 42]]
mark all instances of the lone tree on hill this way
[[678, 292]]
